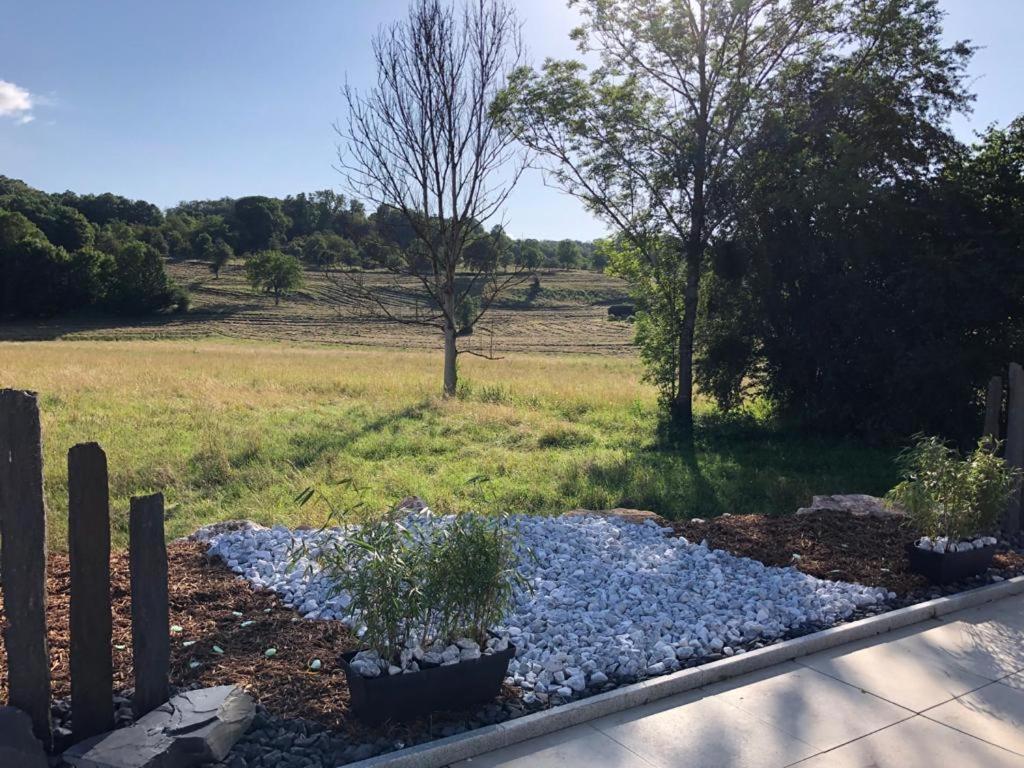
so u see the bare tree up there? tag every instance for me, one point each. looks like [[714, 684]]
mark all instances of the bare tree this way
[[422, 143]]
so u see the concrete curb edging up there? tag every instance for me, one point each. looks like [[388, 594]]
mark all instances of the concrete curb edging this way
[[441, 752]]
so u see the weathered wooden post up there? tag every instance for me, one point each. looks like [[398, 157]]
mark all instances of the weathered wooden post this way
[[993, 407], [147, 558], [23, 557], [1015, 443], [92, 676]]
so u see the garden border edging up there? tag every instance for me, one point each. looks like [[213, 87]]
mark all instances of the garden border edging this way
[[441, 752]]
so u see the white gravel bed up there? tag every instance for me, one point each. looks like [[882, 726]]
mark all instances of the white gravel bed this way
[[611, 601]]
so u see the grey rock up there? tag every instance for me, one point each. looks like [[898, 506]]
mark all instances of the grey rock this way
[[18, 746], [856, 504], [194, 727]]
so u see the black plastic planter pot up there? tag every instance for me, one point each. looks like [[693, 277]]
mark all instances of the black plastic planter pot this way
[[432, 689], [947, 567]]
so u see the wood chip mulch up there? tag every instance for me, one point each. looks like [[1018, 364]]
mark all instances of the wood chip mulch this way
[[204, 599], [834, 546]]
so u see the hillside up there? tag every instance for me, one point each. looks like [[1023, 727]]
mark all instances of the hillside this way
[[567, 315]]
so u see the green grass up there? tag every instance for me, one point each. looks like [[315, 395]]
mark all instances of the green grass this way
[[237, 429]]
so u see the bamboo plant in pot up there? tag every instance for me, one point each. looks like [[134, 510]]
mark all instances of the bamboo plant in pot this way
[[427, 591], [955, 502]]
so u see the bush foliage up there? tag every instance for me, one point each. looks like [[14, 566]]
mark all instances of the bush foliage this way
[[946, 494], [424, 582]]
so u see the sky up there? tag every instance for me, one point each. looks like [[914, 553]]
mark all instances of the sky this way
[[170, 101]]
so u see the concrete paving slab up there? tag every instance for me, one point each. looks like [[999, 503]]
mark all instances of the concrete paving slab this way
[[813, 707], [915, 671], [988, 647], [697, 730], [580, 745], [916, 743], [1009, 610], [994, 714]]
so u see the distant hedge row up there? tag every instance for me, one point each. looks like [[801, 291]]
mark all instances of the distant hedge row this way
[[54, 260]]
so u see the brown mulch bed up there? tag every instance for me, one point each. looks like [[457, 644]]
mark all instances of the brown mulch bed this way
[[830, 546], [203, 598]]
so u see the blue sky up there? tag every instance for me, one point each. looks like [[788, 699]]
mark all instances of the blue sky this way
[[168, 101]]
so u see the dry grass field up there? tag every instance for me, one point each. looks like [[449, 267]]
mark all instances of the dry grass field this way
[[569, 315], [230, 429], [236, 406]]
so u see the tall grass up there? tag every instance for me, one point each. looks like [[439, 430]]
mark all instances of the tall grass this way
[[231, 429]]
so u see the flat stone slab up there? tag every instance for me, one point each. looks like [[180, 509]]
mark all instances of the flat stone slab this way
[[638, 516], [916, 743], [18, 746], [855, 504], [192, 728], [994, 714]]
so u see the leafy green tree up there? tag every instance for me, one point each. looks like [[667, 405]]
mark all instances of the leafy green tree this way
[[861, 274], [140, 285], [568, 254], [33, 272], [260, 223], [528, 254], [220, 254], [203, 247], [648, 139], [274, 272]]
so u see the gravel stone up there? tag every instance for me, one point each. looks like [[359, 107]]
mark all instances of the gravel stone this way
[[624, 598]]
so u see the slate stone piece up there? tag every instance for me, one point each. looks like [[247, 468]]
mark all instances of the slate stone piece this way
[[192, 728], [18, 747], [855, 504]]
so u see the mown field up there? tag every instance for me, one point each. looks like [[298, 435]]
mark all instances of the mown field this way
[[229, 429], [567, 315]]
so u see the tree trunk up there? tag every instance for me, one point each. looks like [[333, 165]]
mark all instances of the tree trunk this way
[[451, 374], [682, 406]]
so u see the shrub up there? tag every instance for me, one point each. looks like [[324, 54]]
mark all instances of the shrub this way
[[948, 495], [423, 581], [274, 272]]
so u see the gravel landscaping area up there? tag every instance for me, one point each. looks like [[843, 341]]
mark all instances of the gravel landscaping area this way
[[608, 601], [613, 601]]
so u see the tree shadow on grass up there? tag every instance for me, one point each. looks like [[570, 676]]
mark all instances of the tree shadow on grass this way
[[312, 446], [734, 464]]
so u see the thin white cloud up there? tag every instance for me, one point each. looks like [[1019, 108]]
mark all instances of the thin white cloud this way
[[16, 102]]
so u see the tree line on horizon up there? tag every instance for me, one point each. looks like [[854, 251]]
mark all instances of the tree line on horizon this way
[[66, 252]]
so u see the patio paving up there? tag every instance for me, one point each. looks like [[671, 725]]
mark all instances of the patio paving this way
[[943, 692]]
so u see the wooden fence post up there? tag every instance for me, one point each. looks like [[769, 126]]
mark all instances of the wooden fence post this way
[[993, 408], [92, 675], [147, 558], [23, 557], [1015, 443]]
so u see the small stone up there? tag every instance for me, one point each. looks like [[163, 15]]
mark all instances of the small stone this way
[[218, 650], [270, 653], [18, 746], [177, 629], [315, 665]]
